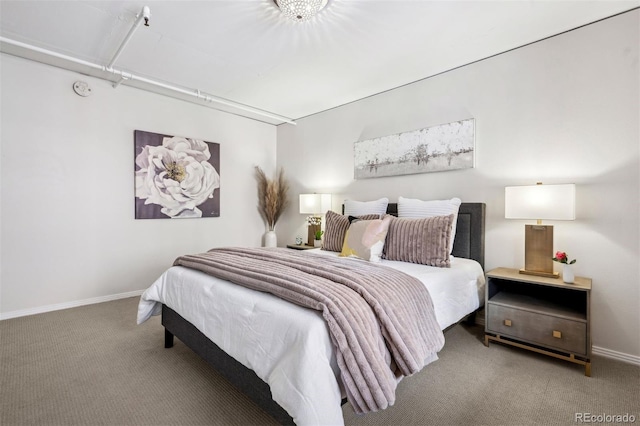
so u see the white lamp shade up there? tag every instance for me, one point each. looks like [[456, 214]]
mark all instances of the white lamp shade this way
[[315, 203], [549, 202]]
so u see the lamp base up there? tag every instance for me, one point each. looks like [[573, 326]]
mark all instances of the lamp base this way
[[538, 251], [540, 274], [311, 234]]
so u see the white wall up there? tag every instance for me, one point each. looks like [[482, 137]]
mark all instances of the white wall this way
[[564, 110], [68, 227]]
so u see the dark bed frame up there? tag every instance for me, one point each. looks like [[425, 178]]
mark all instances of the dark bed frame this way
[[469, 243]]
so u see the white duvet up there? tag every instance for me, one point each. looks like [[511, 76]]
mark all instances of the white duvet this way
[[289, 346]]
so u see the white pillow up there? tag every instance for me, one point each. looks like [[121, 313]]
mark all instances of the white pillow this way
[[412, 208], [360, 208]]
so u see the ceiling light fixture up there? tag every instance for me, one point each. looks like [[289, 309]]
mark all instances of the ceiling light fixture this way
[[301, 10]]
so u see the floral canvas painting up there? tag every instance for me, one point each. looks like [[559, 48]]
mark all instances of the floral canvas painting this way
[[433, 149], [176, 177]]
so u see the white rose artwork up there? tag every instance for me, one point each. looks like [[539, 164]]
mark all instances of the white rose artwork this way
[[176, 175]]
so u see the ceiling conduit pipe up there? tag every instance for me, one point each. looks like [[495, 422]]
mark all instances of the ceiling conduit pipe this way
[[124, 76], [145, 14], [128, 76]]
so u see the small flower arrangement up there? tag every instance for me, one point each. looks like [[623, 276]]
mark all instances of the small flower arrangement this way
[[314, 220], [563, 258]]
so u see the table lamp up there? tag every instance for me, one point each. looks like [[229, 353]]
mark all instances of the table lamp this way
[[540, 202], [315, 205]]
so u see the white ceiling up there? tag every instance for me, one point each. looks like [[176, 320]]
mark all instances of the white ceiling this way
[[246, 51]]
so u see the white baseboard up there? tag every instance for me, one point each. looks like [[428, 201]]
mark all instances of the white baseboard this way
[[620, 356], [67, 305]]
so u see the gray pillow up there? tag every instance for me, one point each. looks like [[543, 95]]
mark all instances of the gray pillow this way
[[424, 241], [412, 208]]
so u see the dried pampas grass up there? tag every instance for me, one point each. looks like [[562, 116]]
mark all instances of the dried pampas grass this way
[[272, 196]]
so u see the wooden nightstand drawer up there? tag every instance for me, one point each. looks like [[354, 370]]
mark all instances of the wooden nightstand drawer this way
[[559, 333]]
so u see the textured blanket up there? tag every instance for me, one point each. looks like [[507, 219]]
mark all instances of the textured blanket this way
[[381, 320]]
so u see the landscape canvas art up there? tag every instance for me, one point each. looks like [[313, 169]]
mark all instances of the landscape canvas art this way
[[176, 177], [433, 149]]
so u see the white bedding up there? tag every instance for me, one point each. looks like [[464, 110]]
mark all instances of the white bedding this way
[[288, 346]]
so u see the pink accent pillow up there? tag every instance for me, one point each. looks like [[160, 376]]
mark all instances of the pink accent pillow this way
[[365, 239], [336, 227]]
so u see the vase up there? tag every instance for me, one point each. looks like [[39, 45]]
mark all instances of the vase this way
[[567, 274], [317, 243], [270, 239]]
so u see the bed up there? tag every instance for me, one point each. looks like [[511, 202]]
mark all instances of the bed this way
[[247, 372]]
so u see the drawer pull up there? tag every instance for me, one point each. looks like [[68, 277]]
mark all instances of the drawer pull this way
[[557, 334], [507, 323]]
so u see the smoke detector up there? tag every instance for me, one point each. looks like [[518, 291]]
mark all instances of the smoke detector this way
[[82, 88]]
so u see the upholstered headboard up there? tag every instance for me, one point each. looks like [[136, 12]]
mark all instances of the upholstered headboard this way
[[469, 240]]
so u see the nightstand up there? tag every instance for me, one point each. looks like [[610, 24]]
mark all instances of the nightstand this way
[[540, 314], [300, 246]]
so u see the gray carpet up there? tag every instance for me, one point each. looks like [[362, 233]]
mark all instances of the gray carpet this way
[[93, 366]]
